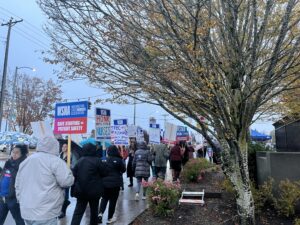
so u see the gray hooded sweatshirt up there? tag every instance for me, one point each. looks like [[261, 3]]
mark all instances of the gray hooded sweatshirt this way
[[40, 182]]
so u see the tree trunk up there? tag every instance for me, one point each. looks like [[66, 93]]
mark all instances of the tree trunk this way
[[235, 166]]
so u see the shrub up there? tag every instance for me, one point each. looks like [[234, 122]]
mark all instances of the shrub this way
[[297, 221], [263, 197], [254, 147], [289, 195], [163, 196], [194, 170]]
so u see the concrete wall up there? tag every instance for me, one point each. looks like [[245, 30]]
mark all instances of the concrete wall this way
[[278, 165]]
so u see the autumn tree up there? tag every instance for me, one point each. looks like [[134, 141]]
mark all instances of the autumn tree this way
[[221, 59], [289, 102], [34, 101]]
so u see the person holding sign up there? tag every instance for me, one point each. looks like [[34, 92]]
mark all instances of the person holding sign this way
[[40, 183], [161, 154], [124, 155], [176, 156], [130, 171], [112, 183], [88, 187], [64, 155]]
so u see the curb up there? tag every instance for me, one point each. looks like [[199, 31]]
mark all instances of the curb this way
[[138, 215]]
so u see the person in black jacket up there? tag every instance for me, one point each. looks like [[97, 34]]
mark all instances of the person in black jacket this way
[[88, 186], [130, 171], [8, 201], [112, 183]]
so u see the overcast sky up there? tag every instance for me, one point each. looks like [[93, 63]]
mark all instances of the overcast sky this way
[[28, 40]]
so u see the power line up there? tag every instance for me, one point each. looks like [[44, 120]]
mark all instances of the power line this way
[[38, 33], [33, 37], [29, 25], [88, 97], [29, 39]]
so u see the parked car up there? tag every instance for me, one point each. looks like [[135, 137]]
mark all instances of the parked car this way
[[32, 145], [3, 147]]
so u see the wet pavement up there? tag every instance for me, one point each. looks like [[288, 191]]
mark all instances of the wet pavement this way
[[126, 211]]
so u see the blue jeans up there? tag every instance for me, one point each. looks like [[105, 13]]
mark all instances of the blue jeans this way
[[67, 193], [10, 204], [42, 222], [139, 184]]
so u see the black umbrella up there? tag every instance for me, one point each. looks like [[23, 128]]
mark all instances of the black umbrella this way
[[75, 148]]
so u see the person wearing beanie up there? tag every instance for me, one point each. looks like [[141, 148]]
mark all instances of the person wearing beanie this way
[[8, 201], [112, 183], [88, 187], [40, 184]]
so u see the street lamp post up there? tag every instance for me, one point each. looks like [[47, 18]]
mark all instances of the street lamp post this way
[[11, 114]]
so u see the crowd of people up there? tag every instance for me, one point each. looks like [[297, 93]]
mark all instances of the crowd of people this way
[[36, 188]]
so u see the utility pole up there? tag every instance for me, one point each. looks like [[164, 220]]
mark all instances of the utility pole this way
[[134, 110], [9, 24], [165, 119]]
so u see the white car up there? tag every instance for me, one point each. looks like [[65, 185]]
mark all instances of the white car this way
[[3, 147]]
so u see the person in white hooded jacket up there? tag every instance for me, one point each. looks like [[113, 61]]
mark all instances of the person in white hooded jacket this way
[[40, 184]]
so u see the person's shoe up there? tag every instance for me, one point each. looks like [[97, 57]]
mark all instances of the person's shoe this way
[[62, 215], [100, 218], [130, 185], [112, 220], [137, 197], [144, 197], [64, 209]]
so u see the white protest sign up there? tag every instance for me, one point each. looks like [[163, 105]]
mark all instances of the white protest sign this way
[[170, 132], [154, 135], [119, 132], [140, 135], [132, 130], [41, 129]]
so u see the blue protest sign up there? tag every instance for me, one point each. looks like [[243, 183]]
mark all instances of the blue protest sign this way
[[120, 122], [154, 125], [71, 118], [102, 124], [71, 110]]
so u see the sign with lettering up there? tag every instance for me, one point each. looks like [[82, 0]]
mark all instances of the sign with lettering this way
[[154, 134], [139, 134], [170, 132], [119, 132], [103, 130], [71, 118], [182, 133]]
